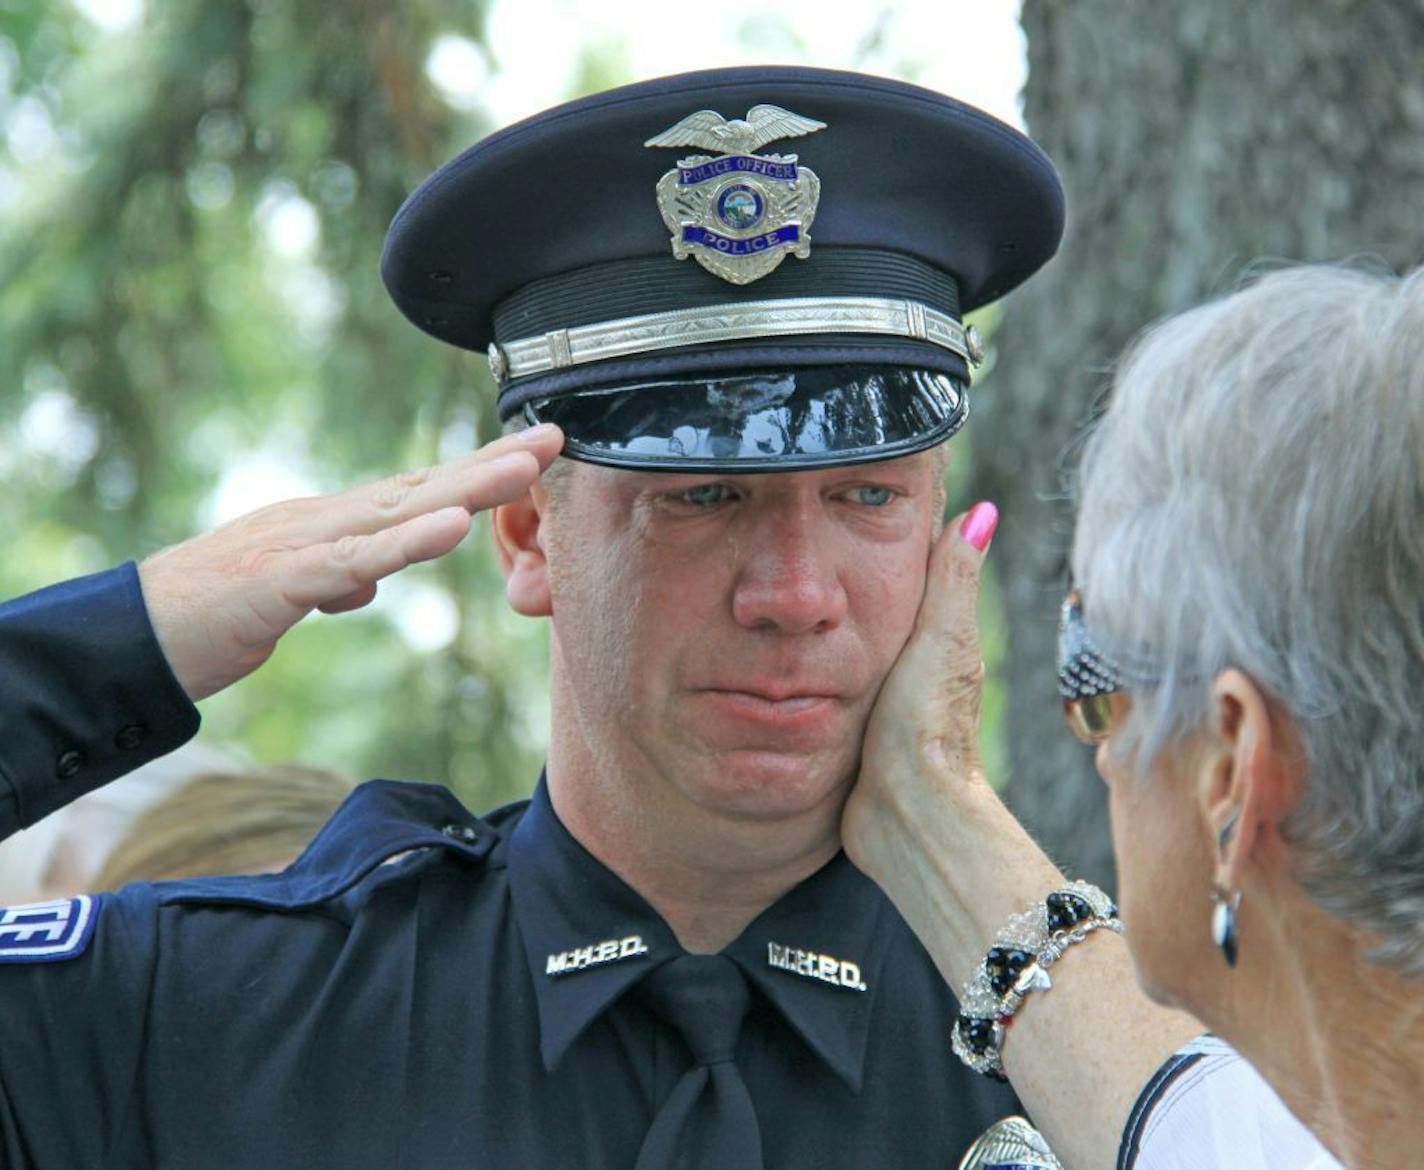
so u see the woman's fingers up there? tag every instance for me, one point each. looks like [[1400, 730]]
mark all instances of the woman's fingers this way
[[937, 679], [921, 750]]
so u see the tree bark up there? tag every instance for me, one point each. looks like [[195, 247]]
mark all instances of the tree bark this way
[[1195, 142]]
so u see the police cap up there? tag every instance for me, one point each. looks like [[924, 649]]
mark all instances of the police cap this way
[[737, 269]]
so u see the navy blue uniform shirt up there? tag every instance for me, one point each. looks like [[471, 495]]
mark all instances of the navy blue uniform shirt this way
[[423, 988]]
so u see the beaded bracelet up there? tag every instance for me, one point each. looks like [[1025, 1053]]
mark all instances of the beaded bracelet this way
[[1018, 963]]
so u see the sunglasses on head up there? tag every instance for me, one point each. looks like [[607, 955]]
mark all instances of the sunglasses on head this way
[[1087, 679]]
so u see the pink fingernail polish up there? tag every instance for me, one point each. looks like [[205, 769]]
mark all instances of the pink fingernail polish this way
[[979, 524]]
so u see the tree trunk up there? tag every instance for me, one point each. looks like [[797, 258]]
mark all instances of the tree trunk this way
[[1195, 141]]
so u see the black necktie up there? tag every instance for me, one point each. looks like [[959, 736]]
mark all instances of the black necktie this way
[[707, 1122]]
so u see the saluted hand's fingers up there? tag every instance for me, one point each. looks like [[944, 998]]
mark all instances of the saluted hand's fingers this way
[[262, 573], [495, 474], [354, 600], [339, 571]]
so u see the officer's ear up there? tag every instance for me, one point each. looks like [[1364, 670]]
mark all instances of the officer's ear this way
[[518, 534]]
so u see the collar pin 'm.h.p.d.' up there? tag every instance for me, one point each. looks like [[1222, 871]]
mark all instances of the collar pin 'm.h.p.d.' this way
[[738, 212], [815, 965], [610, 950]]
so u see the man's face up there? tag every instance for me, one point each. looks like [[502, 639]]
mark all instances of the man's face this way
[[724, 637]]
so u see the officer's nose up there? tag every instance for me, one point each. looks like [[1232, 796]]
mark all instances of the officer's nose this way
[[788, 575]]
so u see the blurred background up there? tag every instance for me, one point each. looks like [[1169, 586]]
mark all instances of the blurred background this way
[[193, 198]]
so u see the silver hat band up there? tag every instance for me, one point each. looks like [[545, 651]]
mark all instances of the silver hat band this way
[[749, 319]]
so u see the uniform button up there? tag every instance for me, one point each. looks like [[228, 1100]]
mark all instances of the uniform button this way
[[461, 833], [130, 737], [68, 764]]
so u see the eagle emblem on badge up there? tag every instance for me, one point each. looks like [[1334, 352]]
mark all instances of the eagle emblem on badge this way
[[1010, 1144], [738, 212]]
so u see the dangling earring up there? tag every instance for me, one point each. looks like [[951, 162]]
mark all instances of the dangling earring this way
[[1224, 834], [1223, 922], [1223, 918]]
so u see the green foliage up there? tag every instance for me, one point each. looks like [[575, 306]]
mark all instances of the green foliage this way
[[189, 284]]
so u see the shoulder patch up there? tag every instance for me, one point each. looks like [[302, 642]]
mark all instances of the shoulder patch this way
[[46, 932]]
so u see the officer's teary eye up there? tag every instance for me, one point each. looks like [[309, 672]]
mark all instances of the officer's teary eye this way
[[705, 495], [874, 495]]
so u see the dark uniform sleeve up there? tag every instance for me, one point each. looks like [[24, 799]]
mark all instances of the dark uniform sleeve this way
[[73, 1018], [86, 694]]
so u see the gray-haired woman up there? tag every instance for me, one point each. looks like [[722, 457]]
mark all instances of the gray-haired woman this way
[[1250, 553], [1245, 646]]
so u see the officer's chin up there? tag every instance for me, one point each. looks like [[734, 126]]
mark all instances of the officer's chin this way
[[766, 783]]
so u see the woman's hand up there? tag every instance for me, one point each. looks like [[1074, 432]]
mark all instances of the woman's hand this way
[[924, 823], [920, 761]]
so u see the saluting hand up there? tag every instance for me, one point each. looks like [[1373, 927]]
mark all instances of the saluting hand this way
[[220, 601]]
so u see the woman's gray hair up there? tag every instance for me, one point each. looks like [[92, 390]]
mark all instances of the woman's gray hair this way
[[1254, 497]]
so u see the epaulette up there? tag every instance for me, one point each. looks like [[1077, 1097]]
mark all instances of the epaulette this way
[[380, 821]]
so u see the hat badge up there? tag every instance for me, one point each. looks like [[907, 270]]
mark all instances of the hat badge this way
[[738, 213]]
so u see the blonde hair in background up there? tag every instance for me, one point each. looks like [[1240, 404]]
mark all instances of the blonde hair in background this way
[[60, 855], [242, 821]]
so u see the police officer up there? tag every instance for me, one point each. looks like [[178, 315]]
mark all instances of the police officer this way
[[663, 958]]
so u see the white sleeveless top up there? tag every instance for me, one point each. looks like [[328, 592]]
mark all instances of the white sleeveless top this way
[[1208, 1109]]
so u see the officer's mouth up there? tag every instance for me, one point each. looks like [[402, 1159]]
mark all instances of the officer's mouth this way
[[773, 709]]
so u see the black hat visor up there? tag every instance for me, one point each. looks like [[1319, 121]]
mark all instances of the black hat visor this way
[[782, 420]]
